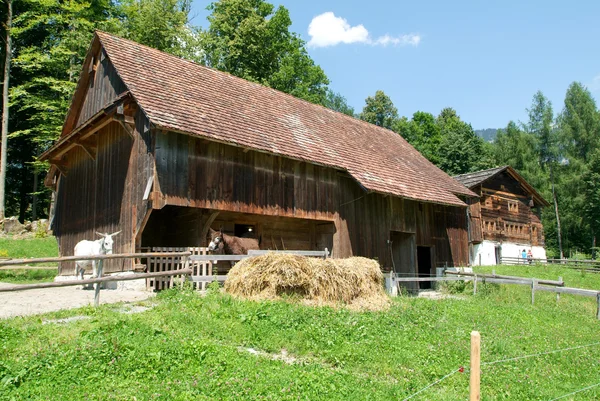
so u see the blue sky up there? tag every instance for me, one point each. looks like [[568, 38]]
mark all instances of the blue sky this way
[[485, 59]]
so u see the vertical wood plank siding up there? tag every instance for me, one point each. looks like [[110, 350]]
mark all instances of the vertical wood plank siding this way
[[197, 173], [103, 87], [105, 194]]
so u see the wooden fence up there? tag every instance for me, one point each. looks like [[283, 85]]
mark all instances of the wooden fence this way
[[205, 267], [534, 283], [588, 265]]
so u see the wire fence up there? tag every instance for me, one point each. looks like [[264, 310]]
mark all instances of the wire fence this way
[[512, 359]]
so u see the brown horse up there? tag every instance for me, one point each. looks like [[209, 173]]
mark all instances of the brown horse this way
[[231, 245]]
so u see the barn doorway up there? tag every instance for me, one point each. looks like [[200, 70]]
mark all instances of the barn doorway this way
[[403, 257], [175, 226], [425, 265]]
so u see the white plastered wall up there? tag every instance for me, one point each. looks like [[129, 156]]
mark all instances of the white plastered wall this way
[[484, 254]]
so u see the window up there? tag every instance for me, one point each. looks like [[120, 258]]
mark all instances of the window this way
[[513, 206]]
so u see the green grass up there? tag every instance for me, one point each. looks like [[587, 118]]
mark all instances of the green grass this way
[[28, 248], [27, 276], [188, 348], [572, 277]]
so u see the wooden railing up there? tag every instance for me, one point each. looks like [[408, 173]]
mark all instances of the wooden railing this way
[[589, 265], [534, 283]]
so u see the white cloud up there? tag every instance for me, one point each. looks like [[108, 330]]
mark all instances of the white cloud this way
[[328, 30]]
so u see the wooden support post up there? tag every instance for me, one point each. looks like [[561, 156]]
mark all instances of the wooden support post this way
[[475, 285], [98, 285], [558, 293], [533, 283], [186, 265], [598, 301], [474, 392]]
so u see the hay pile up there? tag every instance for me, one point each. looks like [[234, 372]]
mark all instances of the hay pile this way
[[354, 282]]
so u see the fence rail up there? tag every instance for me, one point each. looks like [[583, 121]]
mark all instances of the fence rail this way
[[70, 283], [11, 262], [590, 265], [393, 280]]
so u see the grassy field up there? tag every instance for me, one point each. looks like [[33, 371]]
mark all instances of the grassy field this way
[[188, 347], [28, 248]]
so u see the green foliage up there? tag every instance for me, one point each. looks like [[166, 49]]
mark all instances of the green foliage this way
[[337, 102], [192, 347], [163, 25], [423, 132], [460, 150], [579, 122], [379, 110], [591, 190], [251, 40]]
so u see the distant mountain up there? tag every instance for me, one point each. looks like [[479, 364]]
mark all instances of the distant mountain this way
[[488, 134]]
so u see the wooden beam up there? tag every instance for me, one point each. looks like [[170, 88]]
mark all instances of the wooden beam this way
[[61, 165], [90, 146], [127, 122], [207, 224]]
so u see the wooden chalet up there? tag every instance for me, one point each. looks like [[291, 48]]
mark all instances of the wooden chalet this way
[[163, 148], [506, 219]]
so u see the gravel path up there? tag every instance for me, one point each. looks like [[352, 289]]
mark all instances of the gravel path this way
[[32, 302]]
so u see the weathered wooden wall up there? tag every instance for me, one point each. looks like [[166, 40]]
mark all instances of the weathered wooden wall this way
[[505, 212], [103, 87], [192, 172], [105, 194]]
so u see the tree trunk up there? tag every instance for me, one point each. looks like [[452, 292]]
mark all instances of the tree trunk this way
[[557, 215], [35, 197], [4, 145]]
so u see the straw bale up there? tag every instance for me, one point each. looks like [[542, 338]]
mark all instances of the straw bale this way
[[353, 282]]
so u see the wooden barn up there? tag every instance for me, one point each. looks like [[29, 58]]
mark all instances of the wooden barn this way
[[163, 148], [507, 219]]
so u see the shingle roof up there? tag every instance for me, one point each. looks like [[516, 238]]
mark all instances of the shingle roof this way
[[183, 96], [470, 180]]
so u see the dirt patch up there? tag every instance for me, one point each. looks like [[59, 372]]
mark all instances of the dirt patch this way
[[43, 300], [282, 356]]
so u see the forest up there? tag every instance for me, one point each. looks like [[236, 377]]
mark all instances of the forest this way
[[45, 41]]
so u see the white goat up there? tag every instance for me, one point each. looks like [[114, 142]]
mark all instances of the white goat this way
[[102, 246]]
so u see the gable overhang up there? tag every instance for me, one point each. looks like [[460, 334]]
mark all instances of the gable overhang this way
[[121, 110]]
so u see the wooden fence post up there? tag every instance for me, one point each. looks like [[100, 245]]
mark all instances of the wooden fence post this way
[[475, 285], [474, 381], [98, 285], [598, 301], [532, 291], [558, 293]]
